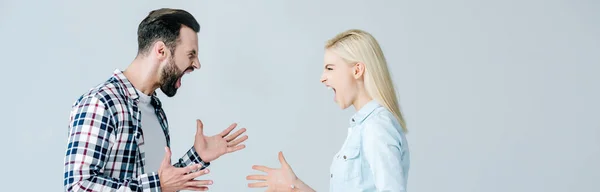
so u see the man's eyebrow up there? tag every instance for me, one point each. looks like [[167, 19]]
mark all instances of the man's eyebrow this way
[[193, 52]]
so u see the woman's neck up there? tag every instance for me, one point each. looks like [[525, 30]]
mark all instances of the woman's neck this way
[[361, 100]]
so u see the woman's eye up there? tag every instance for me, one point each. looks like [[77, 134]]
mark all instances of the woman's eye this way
[[329, 69]]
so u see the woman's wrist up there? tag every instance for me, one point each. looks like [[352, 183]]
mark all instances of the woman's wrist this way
[[299, 186]]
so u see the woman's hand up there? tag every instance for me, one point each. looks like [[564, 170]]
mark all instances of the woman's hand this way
[[276, 180]]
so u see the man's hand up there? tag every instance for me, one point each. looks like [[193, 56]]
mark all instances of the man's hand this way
[[211, 148], [175, 179], [278, 180]]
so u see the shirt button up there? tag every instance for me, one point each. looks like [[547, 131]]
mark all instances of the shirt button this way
[[344, 157], [331, 175], [352, 119]]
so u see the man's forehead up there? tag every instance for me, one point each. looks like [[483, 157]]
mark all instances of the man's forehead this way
[[188, 42]]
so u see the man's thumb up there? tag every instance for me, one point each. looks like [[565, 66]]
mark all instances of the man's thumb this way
[[167, 159], [199, 127]]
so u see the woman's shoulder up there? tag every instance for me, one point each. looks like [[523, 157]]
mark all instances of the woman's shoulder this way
[[382, 120], [382, 128], [382, 116]]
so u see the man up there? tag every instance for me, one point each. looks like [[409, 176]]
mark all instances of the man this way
[[118, 132]]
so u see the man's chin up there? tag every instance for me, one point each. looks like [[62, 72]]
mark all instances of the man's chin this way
[[169, 92]]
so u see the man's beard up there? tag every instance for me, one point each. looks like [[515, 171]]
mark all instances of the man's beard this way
[[170, 76]]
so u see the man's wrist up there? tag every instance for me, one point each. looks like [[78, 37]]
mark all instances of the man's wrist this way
[[196, 157]]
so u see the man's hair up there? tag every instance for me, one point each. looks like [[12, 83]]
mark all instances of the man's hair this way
[[164, 25]]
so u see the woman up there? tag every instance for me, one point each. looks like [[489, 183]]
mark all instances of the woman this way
[[375, 155]]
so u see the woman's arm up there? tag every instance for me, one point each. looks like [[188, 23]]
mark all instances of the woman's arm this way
[[382, 150]]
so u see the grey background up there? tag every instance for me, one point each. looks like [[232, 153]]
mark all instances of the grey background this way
[[498, 95]]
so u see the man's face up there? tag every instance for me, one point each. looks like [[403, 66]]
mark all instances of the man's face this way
[[184, 60]]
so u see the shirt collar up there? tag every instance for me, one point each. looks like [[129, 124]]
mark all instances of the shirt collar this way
[[364, 112], [130, 89]]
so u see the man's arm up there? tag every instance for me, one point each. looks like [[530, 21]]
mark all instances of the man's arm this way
[[91, 135], [191, 157], [383, 154]]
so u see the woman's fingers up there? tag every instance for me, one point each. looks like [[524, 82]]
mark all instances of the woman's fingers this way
[[256, 177], [258, 185], [261, 168]]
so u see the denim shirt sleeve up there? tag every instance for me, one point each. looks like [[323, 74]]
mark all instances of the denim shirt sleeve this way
[[382, 150]]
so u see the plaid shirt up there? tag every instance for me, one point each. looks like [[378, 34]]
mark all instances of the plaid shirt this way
[[105, 146]]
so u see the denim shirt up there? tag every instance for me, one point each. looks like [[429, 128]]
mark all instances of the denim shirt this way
[[374, 156]]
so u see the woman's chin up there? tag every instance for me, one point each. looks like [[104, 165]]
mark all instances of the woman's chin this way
[[342, 105]]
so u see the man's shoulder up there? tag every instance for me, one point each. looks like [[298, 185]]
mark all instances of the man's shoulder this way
[[108, 92]]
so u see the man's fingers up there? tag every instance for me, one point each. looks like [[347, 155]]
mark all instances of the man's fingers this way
[[261, 168], [237, 141], [236, 148], [190, 168], [194, 188], [198, 183], [167, 159], [196, 174], [228, 130], [256, 177], [258, 185], [235, 135]]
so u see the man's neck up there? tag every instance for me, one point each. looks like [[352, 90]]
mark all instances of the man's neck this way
[[142, 74]]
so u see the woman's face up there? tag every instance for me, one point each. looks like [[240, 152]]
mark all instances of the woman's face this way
[[340, 77]]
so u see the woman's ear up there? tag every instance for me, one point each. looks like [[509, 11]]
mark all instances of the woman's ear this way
[[359, 70]]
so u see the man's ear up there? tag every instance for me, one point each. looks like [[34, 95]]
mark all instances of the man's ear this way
[[359, 70], [160, 50]]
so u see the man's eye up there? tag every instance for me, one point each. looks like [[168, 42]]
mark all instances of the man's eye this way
[[329, 69]]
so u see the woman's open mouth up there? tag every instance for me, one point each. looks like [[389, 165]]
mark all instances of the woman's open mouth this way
[[334, 93]]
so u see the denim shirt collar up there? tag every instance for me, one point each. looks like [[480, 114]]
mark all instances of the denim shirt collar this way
[[364, 112]]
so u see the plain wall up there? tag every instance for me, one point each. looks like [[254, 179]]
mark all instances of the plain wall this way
[[498, 95]]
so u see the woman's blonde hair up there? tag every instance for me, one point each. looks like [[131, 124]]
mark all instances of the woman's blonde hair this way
[[358, 46]]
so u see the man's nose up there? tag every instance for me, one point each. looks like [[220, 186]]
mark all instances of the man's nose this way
[[196, 64]]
